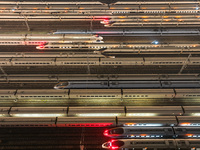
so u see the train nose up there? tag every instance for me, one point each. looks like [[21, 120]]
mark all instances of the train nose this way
[[105, 145], [40, 47], [56, 87]]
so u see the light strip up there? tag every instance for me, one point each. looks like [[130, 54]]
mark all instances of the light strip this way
[[37, 115], [98, 115]]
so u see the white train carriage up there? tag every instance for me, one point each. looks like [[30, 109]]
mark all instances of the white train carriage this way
[[27, 122], [38, 42], [80, 77], [86, 122], [75, 46], [189, 121], [42, 94], [164, 144], [25, 6], [165, 60], [10, 54], [148, 93], [29, 77], [147, 121], [77, 61], [5, 61], [79, 6], [45, 37], [194, 61], [7, 94], [12, 42], [7, 5], [192, 144], [33, 61], [96, 111], [191, 110], [95, 93], [82, 36], [38, 112], [4, 111], [154, 111], [13, 37], [121, 61], [187, 93], [43, 55]]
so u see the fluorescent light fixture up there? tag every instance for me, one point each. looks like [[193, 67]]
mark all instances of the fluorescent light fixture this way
[[196, 114], [37, 115], [141, 114], [143, 124], [97, 115]]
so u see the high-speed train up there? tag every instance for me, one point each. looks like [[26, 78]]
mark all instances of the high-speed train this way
[[73, 46], [153, 132], [26, 39], [164, 144], [100, 45], [126, 84], [140, 133]]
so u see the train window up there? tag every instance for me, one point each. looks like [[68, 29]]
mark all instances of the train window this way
[[117, 143], [117, 131]]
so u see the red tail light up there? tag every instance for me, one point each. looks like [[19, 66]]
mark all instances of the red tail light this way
[[41, 46], [105, 132]]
